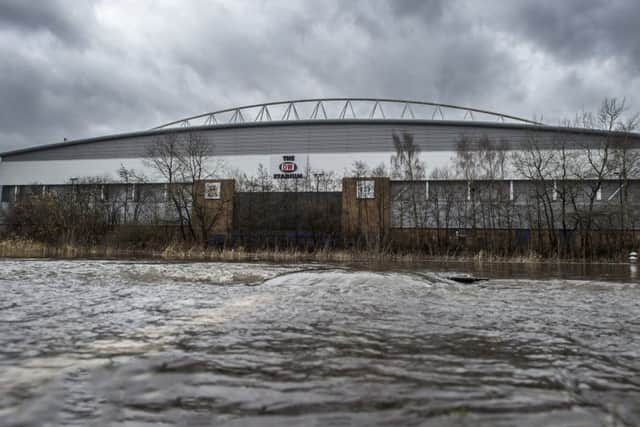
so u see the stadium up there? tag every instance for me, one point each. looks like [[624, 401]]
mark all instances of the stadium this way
[[585, 204], [330, 134]]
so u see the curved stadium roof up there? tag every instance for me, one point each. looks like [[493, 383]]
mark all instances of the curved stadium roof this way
[[322, 125]]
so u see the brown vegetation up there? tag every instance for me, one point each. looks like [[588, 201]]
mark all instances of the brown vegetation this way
[[20, 248]]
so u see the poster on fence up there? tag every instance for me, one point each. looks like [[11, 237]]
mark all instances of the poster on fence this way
[[212, 190], [288, 166], [366, 189]]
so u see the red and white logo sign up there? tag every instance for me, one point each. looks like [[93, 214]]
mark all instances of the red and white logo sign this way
[[288, 167]]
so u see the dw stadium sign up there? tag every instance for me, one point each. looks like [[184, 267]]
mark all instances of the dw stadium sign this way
[[288, 166]]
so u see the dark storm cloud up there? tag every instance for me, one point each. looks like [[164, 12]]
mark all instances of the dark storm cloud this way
[[48, 98], [577, 30], [430, 10], [68, 20], [75, 69]]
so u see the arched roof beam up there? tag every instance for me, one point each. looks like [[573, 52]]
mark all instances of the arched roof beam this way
[[347, 106], [407, 109], [320, 113], [319, 107]]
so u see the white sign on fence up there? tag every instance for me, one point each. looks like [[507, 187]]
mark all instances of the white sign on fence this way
[[288, 166], [212, 190], [366, 189]]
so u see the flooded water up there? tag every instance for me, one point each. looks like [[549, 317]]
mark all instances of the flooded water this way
[[130, 343]]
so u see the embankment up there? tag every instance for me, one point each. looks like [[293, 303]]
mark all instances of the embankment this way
[[22, 248]]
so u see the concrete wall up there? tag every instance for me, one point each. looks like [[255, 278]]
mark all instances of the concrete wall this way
[[55, 172]]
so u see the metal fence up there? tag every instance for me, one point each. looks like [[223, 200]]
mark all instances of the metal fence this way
[[285, 218], [513, 204]]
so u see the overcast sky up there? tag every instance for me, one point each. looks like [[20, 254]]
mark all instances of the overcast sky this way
[[74, 69]]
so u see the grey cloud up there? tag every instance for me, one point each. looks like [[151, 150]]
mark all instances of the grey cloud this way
[[430, 10], [577, 30], [68, 20], [72, 95], [96, 76]]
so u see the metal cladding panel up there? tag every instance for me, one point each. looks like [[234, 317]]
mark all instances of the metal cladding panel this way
[[308, 138]]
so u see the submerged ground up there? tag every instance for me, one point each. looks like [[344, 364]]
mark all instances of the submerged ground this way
[[106, 342]]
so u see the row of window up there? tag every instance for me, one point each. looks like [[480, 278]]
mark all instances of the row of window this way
[[131, 192], [366, 190]]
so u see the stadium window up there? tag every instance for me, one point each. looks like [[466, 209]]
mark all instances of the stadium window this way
[[6, 193], [135, 193], [599, 194], [510, 190], [366, 189], [554, 195], [426, 190]]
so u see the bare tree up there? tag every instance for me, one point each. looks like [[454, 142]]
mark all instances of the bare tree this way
[[537, 165], [196, 168], [263, 179], [70, 214], [184, 162], [625, 166], [594, 166], [133, 199], [441, 202], [481, 158], [407, 165], [380, 171], [164, 156], [359, 169]]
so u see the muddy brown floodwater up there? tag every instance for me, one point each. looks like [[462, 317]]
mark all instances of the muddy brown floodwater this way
[[135, 343]]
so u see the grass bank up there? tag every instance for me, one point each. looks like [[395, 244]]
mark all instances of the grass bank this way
[[21, 248]]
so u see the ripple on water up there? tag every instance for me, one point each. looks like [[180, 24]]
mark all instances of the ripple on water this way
[[102, 342]]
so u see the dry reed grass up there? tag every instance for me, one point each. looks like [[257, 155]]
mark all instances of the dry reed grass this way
[[21, 248]]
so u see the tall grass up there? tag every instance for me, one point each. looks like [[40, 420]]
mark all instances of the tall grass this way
[[22, 248]]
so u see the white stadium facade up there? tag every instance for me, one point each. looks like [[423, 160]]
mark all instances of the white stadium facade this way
[[331, 133]]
